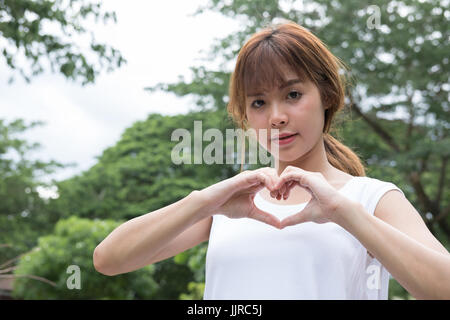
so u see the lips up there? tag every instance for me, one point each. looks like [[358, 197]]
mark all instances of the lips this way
[[284, 135]]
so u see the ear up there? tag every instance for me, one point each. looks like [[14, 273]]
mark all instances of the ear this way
[[326, 102]]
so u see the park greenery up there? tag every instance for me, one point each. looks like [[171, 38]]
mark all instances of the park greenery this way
[[396, 119], [42, 34]]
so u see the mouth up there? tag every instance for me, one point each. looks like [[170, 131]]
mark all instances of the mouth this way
[[284, 137]]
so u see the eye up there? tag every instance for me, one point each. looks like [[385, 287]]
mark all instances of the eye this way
[[255, 104], [294, 94]]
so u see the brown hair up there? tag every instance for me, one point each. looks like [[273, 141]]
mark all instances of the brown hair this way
[[259, 63]]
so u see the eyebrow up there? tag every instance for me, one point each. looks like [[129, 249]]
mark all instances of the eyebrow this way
[[284, 85]]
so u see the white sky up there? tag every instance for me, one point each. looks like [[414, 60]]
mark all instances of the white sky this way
[[160, 42]]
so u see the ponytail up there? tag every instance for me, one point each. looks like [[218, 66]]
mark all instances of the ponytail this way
[[260, 62], [342, 157]]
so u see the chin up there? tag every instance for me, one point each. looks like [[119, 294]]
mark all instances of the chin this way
[[287, 159], [292, 154], [284, 156]]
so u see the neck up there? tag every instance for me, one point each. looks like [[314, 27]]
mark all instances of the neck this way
[[315, 160]]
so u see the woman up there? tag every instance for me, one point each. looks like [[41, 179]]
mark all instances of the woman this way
[[313, 227]]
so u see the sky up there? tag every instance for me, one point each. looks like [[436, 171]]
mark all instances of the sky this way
[[159, 40]]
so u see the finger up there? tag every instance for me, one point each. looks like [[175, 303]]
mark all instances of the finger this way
[[264, 217], [297, 177], [278, 196], [256, 187], [291, 185], [273, 177], [268, 181], [294, 219], [258, 178], [283, 189], [286, 194]]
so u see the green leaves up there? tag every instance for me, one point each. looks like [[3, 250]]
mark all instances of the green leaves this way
[[25, 26], [72, 243], [398, 125], [398, 109], [22, 214]]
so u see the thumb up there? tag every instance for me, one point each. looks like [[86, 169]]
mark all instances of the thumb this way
[[258, 178], [299, 217], [263, 216]]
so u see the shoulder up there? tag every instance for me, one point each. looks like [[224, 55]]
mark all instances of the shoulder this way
[[382, 197], [375, 187], [396, 210], [392, 206], [393, 201], [369, 191]]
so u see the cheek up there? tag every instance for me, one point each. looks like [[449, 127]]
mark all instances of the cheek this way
[[311, 116], [257, 124], [256, 121]]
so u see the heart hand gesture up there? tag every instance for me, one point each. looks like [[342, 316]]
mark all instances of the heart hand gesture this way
[[325, 201], [233, 197]]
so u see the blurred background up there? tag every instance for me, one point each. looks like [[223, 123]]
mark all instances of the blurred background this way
[[91, 91]]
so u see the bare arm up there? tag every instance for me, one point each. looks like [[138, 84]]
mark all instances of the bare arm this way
[[163, 233], [399, 239], [150, 238]]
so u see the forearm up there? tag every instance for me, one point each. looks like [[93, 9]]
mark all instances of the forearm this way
[[134, 242], [423, 272]]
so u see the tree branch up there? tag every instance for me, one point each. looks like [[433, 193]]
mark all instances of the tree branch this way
[[13, 276], [410, 123], [8, 269], [444, 213], [379, 130], [441, 180], [428, 205]]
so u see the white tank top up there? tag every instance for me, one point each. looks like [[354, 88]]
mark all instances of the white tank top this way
[[247, 259]]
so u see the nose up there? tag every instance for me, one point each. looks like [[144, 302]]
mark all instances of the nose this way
[[278, 117]]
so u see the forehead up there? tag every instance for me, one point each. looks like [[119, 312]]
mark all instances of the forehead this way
[[288, 78], [271, 77]]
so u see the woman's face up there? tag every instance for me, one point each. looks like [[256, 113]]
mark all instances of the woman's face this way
[[295, 107]]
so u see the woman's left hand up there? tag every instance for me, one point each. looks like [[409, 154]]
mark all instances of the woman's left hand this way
[[326, 202]]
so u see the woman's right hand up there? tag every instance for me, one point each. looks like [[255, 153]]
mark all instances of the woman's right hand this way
[[233, 197]]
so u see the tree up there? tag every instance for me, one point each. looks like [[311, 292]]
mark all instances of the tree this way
[[22, 211], [137, 176], [41, 34], [64, 259], [396, 66], [397, 52]]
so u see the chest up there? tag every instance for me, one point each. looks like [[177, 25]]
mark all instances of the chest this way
[[247, 240]]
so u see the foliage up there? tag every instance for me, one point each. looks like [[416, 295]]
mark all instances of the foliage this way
[[137, 175], [23, 213], [195, 291], [396, 119], [398, 94], [43, 33], [73, 243]]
